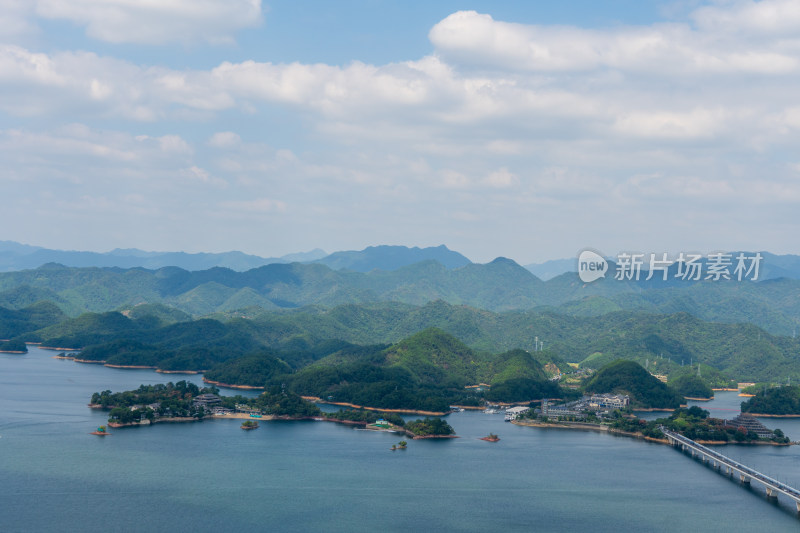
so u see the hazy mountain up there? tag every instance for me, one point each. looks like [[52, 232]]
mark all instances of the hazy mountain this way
[[15, 256], [501, 284], [391, 258], [555, 267], [304, 257], [772, 266]]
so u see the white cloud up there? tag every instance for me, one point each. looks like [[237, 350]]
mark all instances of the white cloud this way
[[501, 118], [772, 17], [156, 21], [15, 19], [104, 154], [501, 179], [697, 123], [196, 173], [475, 39], [259, 205], [452, 179], [224, 139]]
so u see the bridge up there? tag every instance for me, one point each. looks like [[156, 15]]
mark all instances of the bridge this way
[[719, 461]]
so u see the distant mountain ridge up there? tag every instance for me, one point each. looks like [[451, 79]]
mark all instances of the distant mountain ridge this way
[[501, 285], [773, 266], [392, 257], [15, 256]]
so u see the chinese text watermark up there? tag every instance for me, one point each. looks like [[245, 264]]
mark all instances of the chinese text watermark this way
[[686, 266]]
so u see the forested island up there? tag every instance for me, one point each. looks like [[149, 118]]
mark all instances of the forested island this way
[[184, 401], [430, 427], [693, 423], [782, 401]]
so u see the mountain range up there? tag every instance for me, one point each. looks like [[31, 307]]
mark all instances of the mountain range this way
[[15, 256], [501, 285]]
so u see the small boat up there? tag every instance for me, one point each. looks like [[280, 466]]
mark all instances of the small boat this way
[[509, 417]]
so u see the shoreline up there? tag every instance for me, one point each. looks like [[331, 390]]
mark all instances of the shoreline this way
[[698, 399], [316, 399], [182, 419], [15, 352], [637, 435], [771, 416], [421, 437], [179, 371], [262, 418], [56, 348], [229, 386]]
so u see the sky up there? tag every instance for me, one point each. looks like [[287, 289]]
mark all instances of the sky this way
[[528, 130]]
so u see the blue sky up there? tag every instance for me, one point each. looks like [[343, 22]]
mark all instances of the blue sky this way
[[522, 129]]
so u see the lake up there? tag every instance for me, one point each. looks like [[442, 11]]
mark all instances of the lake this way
[[320, 476]]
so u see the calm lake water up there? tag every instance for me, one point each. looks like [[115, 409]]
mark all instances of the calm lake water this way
[[317, 476]]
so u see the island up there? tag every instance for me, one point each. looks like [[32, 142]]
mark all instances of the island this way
[[249, 424], [186, 402], [773, 401], [430, 428], [693, 423], [101, 432]]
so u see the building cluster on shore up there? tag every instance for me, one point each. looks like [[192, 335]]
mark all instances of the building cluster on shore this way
[[750, 424], [597, 404]]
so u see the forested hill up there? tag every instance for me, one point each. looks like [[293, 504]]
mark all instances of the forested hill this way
[[501, 285], [664, 343], [15, 256], [627, 377]]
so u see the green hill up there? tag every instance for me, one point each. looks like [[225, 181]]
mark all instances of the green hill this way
[[433, 356], [163, 314], [20, 322], [774, 401], [515, 364], [253, 370], [498, 286], [87, 329], [627, 377], [665, 343], [691, 386]]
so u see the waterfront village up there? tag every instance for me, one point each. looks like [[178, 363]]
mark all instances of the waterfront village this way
[[612, 412]]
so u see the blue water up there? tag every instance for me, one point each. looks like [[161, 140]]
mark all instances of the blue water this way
[[318, 476]]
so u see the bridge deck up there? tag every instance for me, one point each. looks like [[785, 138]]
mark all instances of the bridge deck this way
[[747, 473]]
